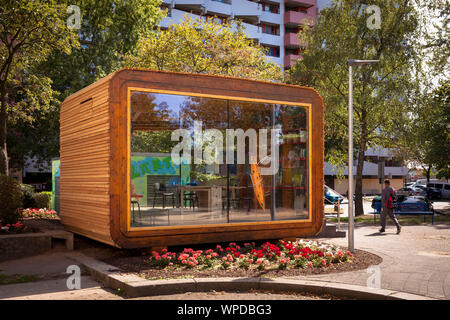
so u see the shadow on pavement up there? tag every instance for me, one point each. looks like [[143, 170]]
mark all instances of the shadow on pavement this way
[[376, 234]]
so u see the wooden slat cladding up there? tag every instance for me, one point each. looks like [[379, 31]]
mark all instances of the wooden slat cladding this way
[[221, 87], [85, 158], [94, 160]]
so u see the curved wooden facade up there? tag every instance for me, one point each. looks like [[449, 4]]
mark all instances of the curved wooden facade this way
[[95, 155]]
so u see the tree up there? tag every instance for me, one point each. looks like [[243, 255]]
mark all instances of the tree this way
[[435, 22], [200, 46], [29, 32], [428, 143], [382, 92], [109, 30]]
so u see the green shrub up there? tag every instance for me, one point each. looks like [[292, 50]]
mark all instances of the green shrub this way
[[42, 200], [28, 196], [11, 200], [49, 193]]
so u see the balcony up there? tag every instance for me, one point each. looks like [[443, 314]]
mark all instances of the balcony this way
[[290, 59], [300, 3], [291, 41], [188, 5], [270, 17], [247, 10], [276, 60], [176, 17], [270, 39], [294, 18], [221, 8], [252, 31]]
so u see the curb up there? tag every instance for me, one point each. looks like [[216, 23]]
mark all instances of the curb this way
[[135, 286]]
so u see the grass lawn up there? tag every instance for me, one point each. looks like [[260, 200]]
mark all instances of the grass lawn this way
[[413, 220], [17, 278]]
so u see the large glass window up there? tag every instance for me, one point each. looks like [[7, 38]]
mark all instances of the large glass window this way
[[197, 160]]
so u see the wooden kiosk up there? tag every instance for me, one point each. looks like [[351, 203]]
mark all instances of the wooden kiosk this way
[[121, 184]]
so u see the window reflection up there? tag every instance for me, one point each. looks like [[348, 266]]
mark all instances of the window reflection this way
[[235, 187]]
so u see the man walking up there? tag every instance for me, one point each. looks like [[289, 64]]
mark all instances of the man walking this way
[[388, 196]]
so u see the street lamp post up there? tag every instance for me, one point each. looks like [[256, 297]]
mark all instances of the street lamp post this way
[[351, 63]]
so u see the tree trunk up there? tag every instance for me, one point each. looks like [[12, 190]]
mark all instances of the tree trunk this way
[[3, 121], [428, 172], [359, 208]]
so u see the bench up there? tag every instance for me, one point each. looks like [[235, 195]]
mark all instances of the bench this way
[[403, 213]]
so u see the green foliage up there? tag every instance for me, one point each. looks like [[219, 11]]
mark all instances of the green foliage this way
[[42, 200], [435, 40], [29, 32], [200, 46], [10, 199], [28, 196], [39, 138], [109, 30], [443, 173], [428, 143]]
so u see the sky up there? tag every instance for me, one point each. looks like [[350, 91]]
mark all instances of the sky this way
[[322, 3]]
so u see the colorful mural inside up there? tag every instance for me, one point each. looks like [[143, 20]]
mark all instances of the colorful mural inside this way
[[55, 174], [143, 165]]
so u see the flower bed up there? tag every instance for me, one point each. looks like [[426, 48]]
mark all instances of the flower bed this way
[[26, 215], [32, 213], [14, 228], [283, 255]]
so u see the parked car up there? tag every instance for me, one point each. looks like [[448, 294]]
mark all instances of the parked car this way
[[419, 191], [430, 193], [446, 191], [443, 188], [406, 191], [331, 196], [433, 193]]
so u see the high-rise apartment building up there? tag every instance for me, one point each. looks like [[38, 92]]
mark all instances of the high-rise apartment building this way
[[274, 24]]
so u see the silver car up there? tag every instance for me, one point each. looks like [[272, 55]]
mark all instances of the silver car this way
[[419, 191], [406, 191]]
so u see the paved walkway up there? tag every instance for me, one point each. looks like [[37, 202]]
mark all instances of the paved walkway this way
[[50, 269], [416, 261]]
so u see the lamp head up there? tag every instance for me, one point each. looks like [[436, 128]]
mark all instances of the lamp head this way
[[353, 62]]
